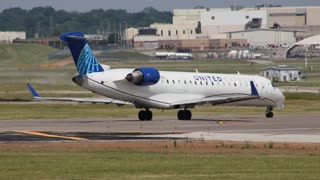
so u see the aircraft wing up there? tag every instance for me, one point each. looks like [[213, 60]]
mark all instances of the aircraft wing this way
[[36, 95], [221, 99]]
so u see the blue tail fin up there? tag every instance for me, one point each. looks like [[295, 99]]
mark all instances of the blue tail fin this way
[[82, 55]]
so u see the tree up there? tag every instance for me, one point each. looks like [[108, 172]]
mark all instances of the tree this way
[[113, 38], [47, 21]]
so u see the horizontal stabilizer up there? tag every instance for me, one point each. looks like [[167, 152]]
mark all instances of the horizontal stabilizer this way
[[75, 99]]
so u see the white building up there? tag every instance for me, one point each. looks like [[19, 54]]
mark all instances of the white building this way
[[262, 37], [283, 73], [220, 22], [9, 36], [175, 31]]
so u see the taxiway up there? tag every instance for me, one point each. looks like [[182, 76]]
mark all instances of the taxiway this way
[[282, 128]]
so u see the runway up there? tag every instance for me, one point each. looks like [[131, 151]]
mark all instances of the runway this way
[[282, 128]]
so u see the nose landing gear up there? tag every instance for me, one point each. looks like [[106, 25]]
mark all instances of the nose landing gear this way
[[269, 113]]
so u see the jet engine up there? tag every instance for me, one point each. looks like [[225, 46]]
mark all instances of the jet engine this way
[[144, 76]]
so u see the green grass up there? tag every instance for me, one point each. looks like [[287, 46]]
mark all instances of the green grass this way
[[89, 164], [302, 96], [63, 110], [22, 54]]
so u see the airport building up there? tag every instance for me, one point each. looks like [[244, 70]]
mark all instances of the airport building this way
[[218, 21], [283, 73], [9, 36], [263, 37], [259, 25]]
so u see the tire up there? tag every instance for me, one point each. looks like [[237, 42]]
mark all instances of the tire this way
[[181, 115], [142, 115], [269, 115], [187, 114], [148, 115]]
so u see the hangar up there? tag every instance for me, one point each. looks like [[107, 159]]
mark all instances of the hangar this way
[[262, 37], [302, 47]]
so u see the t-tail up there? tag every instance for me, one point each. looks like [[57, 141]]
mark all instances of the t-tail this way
[[83, 57]]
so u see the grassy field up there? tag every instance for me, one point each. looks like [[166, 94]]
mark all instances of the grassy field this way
[[22, 63], [74, 110], [24, 54], [80, 164]]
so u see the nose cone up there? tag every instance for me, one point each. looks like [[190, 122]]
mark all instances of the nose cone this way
[[280, 99]]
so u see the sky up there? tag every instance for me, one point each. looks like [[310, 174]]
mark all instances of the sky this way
[[138, 5]]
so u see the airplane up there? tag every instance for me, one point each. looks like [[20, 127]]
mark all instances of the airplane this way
[[148, 88]]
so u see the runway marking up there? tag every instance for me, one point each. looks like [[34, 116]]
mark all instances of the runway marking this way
[[50, 135], [260, 130]]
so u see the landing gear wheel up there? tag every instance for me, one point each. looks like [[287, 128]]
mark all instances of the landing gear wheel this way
[[180, 115], [269, 113], [184, 115], [145, 115], [188, 114], [142, 115], [148, 115]]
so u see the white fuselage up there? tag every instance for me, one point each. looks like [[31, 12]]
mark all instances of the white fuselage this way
[[174, 87]]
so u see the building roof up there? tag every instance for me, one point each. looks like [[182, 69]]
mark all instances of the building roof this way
[[276, 30], [309, 41], [283, 67]]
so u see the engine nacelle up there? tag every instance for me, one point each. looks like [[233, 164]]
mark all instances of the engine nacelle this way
[[144, 76]]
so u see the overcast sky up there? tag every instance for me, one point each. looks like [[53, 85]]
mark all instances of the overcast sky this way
[[138, 5]]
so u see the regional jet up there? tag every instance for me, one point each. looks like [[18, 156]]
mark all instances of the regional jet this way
[[148, 88]]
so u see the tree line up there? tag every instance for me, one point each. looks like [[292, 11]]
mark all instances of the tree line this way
[[48, 22]]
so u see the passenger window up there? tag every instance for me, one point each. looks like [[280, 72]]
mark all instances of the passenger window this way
[[235, 84], [200, 82], [167, 81], [195, 83], [185, 82], [212, 83], [207, 83], [173, 81]]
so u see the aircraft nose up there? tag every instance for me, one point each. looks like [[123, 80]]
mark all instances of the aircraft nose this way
[[281, 99]]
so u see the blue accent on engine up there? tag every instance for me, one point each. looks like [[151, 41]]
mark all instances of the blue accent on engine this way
[[82, 55], [150, 76], [33, 91], [254, 91]]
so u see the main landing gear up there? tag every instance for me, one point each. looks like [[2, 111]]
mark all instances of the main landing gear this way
[[269, 113], [145, 115], [184, 114]]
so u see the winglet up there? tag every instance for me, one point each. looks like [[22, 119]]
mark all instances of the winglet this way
[[254, 91], [33, 91]]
